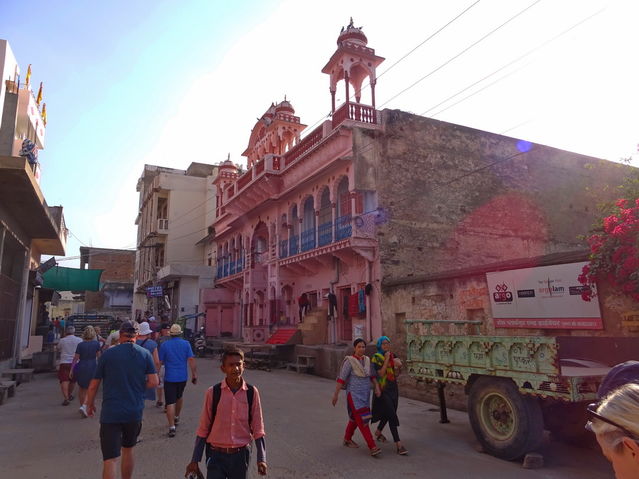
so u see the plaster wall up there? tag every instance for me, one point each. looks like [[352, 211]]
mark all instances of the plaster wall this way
[[187, 222]]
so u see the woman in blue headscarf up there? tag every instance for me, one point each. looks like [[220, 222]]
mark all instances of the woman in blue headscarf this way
[[385, 406]]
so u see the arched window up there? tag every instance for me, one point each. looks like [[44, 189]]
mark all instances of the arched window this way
[[308, 225], [325, 218]]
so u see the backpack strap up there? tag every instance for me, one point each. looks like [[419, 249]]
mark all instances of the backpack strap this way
[[217, 394]]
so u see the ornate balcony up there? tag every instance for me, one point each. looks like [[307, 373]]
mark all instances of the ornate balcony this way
[[308, 239], [325, 233]]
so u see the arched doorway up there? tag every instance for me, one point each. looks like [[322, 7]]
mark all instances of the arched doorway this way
[[308, 225]]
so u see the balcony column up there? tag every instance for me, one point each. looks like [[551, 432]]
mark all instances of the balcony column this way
[[346, 82], [353, 199], [332, 99], [373, 93], [316, 232]]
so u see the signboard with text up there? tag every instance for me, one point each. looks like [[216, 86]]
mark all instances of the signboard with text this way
[[154, 292], [547, 297]]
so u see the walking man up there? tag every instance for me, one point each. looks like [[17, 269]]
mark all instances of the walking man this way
[[175, 354], [67, 347], [231, 419], [127, 371], [164, 337]]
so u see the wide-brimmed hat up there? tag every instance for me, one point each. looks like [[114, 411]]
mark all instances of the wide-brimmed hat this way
[[145, 329], [175, 330]]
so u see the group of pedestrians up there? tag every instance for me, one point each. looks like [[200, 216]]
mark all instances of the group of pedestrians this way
[[359, 375]]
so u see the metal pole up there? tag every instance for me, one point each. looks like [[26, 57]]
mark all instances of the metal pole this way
[[443, 416]]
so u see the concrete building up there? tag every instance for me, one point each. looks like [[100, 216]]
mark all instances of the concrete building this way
[[175, 213], [116, 283], [29, 227], [370, 198]]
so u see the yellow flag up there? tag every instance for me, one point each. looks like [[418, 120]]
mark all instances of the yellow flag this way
[[39, 97], [44, 114], [28, 80]]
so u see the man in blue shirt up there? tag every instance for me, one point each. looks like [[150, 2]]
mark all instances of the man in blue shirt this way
[[174, 355], [127, 371]]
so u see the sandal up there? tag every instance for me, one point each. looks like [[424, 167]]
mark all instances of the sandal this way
[[380, 437], [376, 451], [402, 451], [349, 443]]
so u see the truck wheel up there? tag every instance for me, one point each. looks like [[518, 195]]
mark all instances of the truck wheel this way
[[507, 424]]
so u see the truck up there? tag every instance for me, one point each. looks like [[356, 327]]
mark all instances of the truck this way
[[520, 382], [517, 386]]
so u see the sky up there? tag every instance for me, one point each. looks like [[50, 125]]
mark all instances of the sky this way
[[169, 82]]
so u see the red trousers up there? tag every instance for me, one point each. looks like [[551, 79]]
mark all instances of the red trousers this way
[[355, 423]]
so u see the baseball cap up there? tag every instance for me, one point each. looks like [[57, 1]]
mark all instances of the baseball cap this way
[[129, 328], [165, 326], [175, 330], [619, 375]]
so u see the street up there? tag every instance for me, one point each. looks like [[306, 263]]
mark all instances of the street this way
[[41, 439]]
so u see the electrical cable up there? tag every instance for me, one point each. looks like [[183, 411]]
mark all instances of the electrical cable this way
[[462, 52]]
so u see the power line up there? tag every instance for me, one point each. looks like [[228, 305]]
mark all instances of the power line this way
[[462, 52], [519, 58]]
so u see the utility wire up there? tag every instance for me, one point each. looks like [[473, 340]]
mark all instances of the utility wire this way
[[462, 52], [512, 62]]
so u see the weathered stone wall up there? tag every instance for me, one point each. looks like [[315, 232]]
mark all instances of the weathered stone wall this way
[[459, 197]]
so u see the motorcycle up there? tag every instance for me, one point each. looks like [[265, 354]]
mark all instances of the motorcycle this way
[[199, 344]]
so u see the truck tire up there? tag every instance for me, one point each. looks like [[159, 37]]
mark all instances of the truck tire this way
[[507, 424]]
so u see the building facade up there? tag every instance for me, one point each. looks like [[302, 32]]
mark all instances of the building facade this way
[[174, 218], [285, 230], [116, 283], [29, 227], [370, 198]]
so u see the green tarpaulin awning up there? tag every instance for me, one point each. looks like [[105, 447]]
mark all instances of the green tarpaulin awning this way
[[72, 279]]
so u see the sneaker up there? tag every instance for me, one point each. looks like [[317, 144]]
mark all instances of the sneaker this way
[[172, 431], [402, 451], [83, 411], [376, 451], [71, 397], [159, 404], [65, 402], [176, 420]]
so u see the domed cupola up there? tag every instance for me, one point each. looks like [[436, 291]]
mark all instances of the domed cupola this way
[[285, 107], [353, 34]]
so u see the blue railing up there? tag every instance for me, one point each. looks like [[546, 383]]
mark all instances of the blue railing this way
[[229, 268], [283, 248], [308, 239], [343, 228], [294, 245], [325, 233]]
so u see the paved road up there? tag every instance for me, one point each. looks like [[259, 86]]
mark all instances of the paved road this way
[[41, 439]]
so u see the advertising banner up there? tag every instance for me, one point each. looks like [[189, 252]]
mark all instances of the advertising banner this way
[[547, 297]]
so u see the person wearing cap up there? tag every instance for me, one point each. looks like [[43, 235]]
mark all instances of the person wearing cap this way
[[127, 371], [67, 347], [614, 420], [175, 354], [164, 337], [144, 340]]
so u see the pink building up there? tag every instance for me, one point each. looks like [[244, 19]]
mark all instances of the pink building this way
[[295, 224]]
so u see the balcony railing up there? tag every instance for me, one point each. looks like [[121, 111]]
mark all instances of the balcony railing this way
[[294, 245], [229, 268], [308, 239], [304, 146], [343, 227], [283, 248], [325, 233], [354, 111]]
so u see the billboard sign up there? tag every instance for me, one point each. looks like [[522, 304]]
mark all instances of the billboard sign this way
[[546, 297]]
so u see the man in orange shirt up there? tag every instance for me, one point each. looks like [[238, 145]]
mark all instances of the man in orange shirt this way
[[231, 419]]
